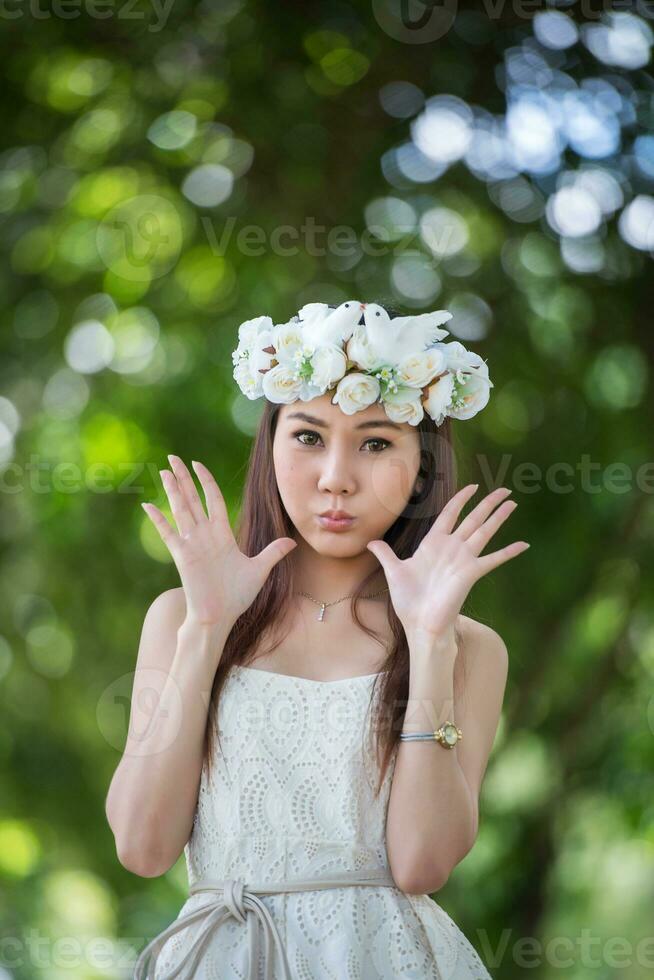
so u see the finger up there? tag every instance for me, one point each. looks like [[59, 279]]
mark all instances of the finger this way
[[450, 512], [216, 507], [187, 488], [273, 553], [166, 533], [183, 517], [480, 538], [383, 552], [477, 516], [487, 563]]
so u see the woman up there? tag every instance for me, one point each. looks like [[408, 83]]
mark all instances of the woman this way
[[311, 847]]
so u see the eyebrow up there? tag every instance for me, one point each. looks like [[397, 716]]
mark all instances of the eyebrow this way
[[376, 424]]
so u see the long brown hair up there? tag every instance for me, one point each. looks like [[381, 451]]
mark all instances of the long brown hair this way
[[263, 518]]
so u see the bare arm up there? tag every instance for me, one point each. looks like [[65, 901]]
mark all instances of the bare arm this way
[[153, 794], [435, 792], [432, 815]]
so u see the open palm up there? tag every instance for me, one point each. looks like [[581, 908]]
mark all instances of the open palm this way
[[428, 589], [219, 581]]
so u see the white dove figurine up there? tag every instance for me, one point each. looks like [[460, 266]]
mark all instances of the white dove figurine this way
[[323, 326], [393, 338]]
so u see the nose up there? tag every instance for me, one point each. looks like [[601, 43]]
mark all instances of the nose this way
[[336, 476]]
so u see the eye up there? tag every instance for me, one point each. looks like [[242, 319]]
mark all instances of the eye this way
[[304, 432], [384, 443]]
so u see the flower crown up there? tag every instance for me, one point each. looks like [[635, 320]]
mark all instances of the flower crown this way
[[366, 356]]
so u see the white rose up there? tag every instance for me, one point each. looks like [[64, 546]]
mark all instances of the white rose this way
[[417, 370], [471, 397], [288, 339], [249, 383], [360, 351], [355, 392], [329, 365], [280, 385], [404, 405], [439, 397], [248, 331], [260, 358]]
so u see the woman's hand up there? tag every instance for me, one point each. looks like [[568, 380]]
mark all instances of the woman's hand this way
[[219, 581], [428, 589]]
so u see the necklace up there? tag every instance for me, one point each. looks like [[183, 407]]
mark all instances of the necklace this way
[[323, 605]]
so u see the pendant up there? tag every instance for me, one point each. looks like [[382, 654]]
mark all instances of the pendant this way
[[322, 612]]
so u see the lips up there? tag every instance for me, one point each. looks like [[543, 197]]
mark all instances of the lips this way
[[337, 515], [330, 523]]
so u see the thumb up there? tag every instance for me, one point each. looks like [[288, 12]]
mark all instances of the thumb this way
[[382, 551], [274, 552]]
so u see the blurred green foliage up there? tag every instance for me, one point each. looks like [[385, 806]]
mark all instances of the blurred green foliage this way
[[170, 172]]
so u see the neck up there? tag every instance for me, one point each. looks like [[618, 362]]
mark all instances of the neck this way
[[327, 577]]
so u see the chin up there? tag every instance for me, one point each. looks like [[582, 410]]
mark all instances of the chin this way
[[335, 545], [331, 543]]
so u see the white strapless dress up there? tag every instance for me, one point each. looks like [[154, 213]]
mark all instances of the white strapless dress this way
[[291, 797]]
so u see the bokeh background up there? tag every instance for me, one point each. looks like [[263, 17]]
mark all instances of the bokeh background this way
[[170, 170]]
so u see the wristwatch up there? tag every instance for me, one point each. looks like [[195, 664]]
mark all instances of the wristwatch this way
[[448, 735]]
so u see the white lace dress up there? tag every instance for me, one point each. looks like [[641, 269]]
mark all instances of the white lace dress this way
[[292, 796]]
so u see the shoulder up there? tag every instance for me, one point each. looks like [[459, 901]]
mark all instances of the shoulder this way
[[171, 599], [167, 609], [163, 618], [482, 647], [474, 633]]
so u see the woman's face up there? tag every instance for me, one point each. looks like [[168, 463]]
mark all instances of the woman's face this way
[[362, 463]]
